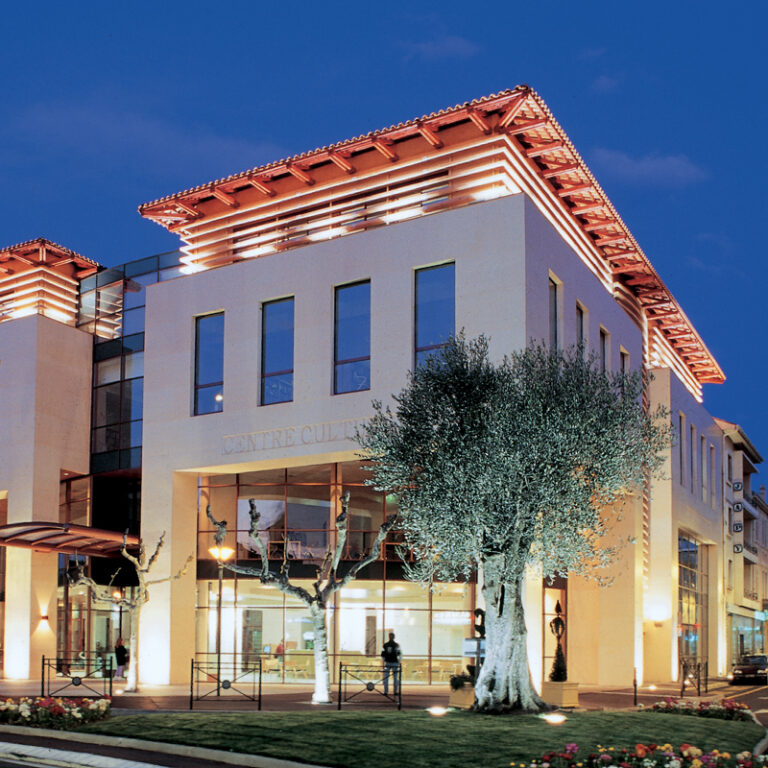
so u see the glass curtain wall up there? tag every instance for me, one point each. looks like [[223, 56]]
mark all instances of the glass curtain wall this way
[[298, 510], [693, 595]]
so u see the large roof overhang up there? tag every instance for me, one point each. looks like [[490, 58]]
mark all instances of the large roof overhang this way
[[540, 143], [65, 537], [40, 252]]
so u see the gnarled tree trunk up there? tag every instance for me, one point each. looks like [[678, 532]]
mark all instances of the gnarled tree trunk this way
[[322, 694], [504, 682]]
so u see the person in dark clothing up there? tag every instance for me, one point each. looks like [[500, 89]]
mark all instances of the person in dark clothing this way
[[121, 657], [391, 656]]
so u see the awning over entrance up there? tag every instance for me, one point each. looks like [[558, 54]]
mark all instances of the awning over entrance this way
[[65, 537]]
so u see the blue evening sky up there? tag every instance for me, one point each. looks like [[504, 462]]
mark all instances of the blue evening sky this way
[[107, 105]]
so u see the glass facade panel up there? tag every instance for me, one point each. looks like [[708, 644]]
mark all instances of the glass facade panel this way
[[107, 371], [133, 399], [352, 338], [133, 321], [298, 506], [435, 309], [693, 596], [277, 352], [106, 405], [209, 364]]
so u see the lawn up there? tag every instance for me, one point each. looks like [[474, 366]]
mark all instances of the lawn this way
[[418, 740]]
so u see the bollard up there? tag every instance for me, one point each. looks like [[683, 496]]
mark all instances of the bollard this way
[[634, 685]]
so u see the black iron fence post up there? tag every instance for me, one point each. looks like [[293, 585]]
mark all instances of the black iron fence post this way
[[259, 685], [191, 683], [698, 679], [400, 685], [42, 676], [338, 704], [706, 677], [684, 677]]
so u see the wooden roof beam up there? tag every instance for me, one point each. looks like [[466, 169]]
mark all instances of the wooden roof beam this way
[[341, 162], [429, 135], [665, 315], [580, 210], [299, 174], [528, 125], [222, 196], [556, 170], [574, 189], [512, 112], [480, 122], [188, 209], [261, 186], [596, 224], [628, 268], [381, 147], [542, 149], [609, 240]]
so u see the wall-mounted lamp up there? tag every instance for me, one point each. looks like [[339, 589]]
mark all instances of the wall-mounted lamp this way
[[44, 618]]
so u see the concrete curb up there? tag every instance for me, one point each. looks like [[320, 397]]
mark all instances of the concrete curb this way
[[59, 758], [179, 750]]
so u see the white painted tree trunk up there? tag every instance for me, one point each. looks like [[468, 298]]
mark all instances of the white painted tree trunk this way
[[132, 679], [322, 694], [505, 681]]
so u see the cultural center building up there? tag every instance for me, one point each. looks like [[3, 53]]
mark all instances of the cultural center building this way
[[240, 366]]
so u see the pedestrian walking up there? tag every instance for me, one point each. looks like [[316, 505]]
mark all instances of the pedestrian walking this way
[[391, 655], [121, 657]]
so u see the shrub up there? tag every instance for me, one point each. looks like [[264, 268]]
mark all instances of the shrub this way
[[50, 712]]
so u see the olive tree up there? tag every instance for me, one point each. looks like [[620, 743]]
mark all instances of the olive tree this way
[[499, 467]]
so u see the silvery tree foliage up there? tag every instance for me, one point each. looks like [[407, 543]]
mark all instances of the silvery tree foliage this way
[[502, 467]]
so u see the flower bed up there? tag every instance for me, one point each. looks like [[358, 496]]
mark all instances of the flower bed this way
[[726, 709], [50, 712], [645, 756]]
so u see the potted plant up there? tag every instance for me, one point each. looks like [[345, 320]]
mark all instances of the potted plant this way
[[558, 690], [462, 694]]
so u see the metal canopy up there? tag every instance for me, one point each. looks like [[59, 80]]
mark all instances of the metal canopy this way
[[65, 537]]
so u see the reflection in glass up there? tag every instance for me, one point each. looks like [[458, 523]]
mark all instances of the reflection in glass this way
[[209, 363], [277, 352], [352, 343], [435, 309]]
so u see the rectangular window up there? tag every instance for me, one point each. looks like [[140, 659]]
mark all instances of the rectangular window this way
[[435, 309], [553, 318], [681, 447], [209, 363], [703, 460], [352, 338], [712, 476], [624, 360], [277, 351], [603, 350], [730, 468], [581, 336], [693, 459]]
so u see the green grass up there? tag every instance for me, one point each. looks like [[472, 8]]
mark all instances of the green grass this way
[[418, 740]]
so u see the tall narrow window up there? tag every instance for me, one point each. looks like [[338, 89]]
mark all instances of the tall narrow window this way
[[603, 350], [712, 477], [352, 338], [209, 363], [681, 446], [693, 459], [624, 359], [703, 464], [277, 351], [553, 318], [581, 337], [435, 309]]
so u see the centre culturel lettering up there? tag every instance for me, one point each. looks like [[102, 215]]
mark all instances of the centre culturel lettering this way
[[307, 434]]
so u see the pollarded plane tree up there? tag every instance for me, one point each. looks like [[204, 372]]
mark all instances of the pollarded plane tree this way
[[499, 468], [134, 601], [328, 581]]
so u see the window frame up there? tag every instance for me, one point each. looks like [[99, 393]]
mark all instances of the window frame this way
[[198, 387], [337, 291], [264, 374]]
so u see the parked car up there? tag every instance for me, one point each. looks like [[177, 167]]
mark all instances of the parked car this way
[[754, 668]]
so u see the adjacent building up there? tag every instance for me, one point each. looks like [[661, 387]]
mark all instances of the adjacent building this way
[[239, 367]]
